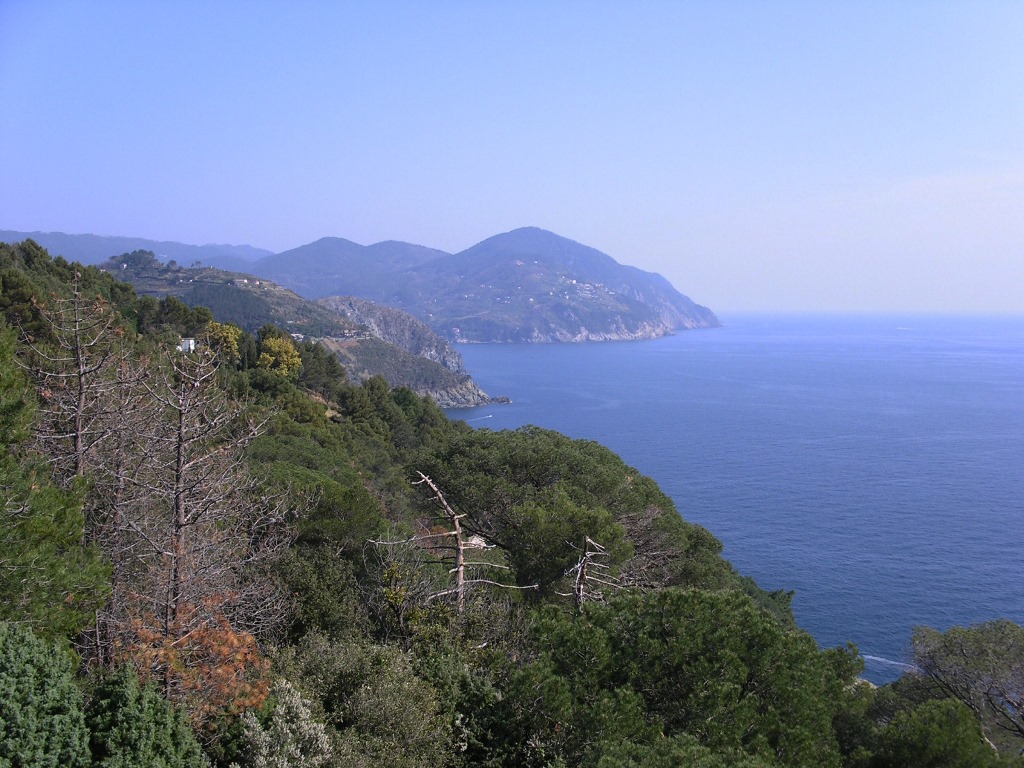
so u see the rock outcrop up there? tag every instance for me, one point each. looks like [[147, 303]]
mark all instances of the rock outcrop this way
[[397, 327]]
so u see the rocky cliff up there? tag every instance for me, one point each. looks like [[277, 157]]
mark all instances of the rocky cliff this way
[[397, 327], [370, 356]]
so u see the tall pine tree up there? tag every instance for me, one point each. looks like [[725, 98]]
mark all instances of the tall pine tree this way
[[48, 577]]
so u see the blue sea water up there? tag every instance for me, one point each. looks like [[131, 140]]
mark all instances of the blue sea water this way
[[875, 465]]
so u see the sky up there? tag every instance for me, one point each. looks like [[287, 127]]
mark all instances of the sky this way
[[764, 156]]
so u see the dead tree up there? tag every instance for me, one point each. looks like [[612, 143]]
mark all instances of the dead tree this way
[[120, 495], [659, 559], [74, 369], [591, 575], [201, 481], [93, 412], [453, 547], [202, 544]]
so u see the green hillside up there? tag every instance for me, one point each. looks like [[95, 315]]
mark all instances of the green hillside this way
[[251, 303]]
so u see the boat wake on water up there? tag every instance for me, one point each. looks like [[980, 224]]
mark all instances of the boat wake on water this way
[[890, 662]]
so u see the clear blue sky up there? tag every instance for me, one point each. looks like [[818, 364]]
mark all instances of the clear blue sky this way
[[761, 155]]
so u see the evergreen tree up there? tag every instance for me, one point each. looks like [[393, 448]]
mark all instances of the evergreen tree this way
[[42, 724], [982, 666], [133, 725], [937, 734], [47, 577]]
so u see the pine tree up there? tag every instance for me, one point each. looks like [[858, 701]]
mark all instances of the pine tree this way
[[42, 723], [202, 543], [74, 367], [133, 725], [48, 578]]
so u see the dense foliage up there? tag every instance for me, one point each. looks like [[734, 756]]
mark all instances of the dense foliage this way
[[132, 724], [41, 712], [235, 555]]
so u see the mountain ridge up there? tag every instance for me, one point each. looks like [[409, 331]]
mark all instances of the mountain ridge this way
[[93, 249], [526, 285]]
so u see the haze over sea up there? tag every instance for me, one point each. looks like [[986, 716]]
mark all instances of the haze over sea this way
[[874, 464]]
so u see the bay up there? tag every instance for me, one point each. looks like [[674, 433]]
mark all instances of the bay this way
[[872, 464]]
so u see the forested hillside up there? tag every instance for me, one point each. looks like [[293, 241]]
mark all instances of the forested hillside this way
[[233, 555], [371, 341]]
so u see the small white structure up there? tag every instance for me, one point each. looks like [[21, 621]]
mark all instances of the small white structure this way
[[187, 345]]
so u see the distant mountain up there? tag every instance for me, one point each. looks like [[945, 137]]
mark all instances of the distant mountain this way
[[534, 285], [335, 266], [94, 249], [525, 285]]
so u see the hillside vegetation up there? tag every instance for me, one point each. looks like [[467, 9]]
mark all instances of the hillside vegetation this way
[[369, 340], [233, 555]]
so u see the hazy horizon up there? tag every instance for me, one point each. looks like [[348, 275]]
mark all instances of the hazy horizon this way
[[791, 156]]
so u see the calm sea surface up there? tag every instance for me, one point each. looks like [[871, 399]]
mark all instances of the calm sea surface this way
[[873, 464]]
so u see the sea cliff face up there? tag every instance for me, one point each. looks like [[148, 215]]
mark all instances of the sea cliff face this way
[[618, 332], [397, 327], [430, 365], [464, 395], [371, 356]]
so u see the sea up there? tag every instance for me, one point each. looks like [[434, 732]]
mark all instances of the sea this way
[[872, 464]]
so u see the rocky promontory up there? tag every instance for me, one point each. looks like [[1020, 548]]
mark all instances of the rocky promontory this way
[[430, 366]]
